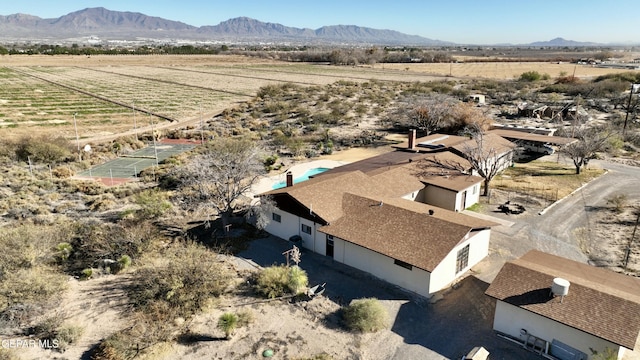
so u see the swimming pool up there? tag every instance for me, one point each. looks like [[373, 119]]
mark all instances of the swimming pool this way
[[307, 174]]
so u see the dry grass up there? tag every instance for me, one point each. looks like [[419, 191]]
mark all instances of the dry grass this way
[[547, 180]]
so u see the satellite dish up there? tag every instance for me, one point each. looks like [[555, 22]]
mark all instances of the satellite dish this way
[[87, 148]]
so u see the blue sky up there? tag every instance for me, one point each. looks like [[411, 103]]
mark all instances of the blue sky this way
[[459, 21]]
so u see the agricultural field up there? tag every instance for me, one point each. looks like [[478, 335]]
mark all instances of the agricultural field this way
[[119, 95]]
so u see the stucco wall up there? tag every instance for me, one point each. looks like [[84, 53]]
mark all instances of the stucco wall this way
[[381, 266], [288, 226], [445, 272], [510, 319], [440, 197], [471, 197]]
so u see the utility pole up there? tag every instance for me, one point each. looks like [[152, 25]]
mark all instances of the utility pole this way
[[634, 87], [201, 126], [75, 126], [135, 128]]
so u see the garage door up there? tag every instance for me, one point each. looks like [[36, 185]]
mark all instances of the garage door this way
[[565, 352]]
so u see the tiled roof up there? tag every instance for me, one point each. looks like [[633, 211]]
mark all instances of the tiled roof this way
[[398, 232], [599, 302]]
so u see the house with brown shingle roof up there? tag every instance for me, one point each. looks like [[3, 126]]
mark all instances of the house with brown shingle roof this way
[[565, 308], [372, 221]]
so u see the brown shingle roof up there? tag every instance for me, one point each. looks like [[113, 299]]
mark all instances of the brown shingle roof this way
[[519, 135], [491, 143], [600, 302], [433, 142], [323, 194], [413, 237]]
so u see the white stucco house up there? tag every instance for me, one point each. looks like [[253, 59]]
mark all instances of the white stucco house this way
[[375, 216], [564, 308]]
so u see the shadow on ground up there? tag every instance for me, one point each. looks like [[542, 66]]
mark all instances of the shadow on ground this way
[[451, 327]]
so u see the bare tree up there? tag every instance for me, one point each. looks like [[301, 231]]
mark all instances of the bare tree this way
[[486, 154], [589, 142], [219, 177], [428, 114]]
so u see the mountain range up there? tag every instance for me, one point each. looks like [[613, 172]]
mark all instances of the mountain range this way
[[117, 25]]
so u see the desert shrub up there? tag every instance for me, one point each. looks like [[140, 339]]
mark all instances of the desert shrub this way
[[98, 244], [245, 318], [190, 277], [68, 335], [43, 149], [365, 315], [102, 202], [63, 251], [62, 172], [153, 203], [530, 76], [57, 335], [26, 275], [116, 347], [618, 202], [86, 274], [275, 281], [30, 286], [227, 322], [298, 280]]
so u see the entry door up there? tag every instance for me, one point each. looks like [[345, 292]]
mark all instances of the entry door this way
[[329, 245], [464, 200]]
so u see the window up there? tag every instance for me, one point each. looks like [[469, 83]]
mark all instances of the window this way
[[306, 229], [462, 261], [475, 189], [276, 217], [403, 264]]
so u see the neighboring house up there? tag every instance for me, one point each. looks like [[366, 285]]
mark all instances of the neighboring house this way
[[565, 308], [488, 151], [377, 222], [539, 140]]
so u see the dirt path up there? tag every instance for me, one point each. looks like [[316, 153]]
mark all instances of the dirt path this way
[[98, 306]]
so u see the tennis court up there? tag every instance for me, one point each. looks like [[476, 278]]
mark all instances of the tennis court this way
[[127, 167]]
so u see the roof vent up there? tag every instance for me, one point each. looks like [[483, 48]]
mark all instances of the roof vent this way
[[431, 212], [560, 287]]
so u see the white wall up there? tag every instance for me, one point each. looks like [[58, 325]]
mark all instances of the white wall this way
[[286, 228], [381, 266], [445, 273], [292, 225], [472, 198], [509, 319]]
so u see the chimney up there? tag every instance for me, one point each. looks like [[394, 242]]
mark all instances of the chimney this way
[[289, 179], [412, 139]]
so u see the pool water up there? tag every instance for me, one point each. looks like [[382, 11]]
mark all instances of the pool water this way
[[309, 173]]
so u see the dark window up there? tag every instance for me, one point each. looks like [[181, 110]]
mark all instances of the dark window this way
[[306, 229], [462, 260], [276, 217], [403, 264]]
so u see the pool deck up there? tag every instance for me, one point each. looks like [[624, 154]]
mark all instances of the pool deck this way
[[266, 183]]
